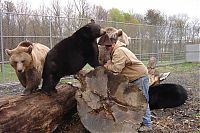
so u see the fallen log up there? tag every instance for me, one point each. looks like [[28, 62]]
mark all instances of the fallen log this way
[[106, 103], [36, 112]]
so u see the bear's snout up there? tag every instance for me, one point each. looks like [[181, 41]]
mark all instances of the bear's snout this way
[[19, 71], [20, 67]]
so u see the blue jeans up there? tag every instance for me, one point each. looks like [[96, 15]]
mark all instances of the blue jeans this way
[[143, 84]]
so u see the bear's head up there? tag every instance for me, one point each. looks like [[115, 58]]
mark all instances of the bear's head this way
[[90, 31], [20, 57], [114, 35]]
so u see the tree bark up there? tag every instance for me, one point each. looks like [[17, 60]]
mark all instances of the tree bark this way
[[36, 112]]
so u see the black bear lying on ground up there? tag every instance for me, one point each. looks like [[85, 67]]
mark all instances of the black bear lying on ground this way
[[71, 55], [166, 96]]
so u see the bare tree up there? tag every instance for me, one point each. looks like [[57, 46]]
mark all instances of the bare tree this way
[[56, 12], [195, 31], [9, 23], [70, 25], [179, 23], [23, 10], [99, 13], [82, 8]]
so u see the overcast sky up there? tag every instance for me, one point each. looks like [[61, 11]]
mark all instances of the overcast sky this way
[[169, 7]]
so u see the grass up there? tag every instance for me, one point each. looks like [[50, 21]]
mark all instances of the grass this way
[[178, 67], [197, 115], [10, 75]]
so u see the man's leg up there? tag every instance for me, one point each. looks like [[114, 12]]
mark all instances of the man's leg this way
[[143, 84]]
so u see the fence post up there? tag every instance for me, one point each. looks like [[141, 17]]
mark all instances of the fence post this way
[[157, 48], [158, 53], [140, 43], [50, 32], [2, 48]]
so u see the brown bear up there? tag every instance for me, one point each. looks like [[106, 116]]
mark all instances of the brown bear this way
[[121, 35], [70, 55], [104, 56], [28, 59]]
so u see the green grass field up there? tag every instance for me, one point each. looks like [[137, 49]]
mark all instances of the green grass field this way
[[10, 75], [178, 67]]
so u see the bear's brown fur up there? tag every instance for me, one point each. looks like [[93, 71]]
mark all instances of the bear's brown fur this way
[[111, 32], [121, 35], [28, 59]]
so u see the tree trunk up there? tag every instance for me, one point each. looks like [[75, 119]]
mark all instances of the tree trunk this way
[[36, 112]]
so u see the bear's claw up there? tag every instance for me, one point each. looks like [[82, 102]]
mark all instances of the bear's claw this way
[[26, 92]]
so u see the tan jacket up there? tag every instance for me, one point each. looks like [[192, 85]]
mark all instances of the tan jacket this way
[[124, 62]]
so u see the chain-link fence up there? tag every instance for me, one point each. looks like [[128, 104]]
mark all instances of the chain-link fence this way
[[167, 44]]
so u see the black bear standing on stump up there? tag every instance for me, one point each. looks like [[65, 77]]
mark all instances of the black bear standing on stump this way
[[71, 55]]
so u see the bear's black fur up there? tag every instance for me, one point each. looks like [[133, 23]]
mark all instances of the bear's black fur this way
[[71, 55], [166, 96]]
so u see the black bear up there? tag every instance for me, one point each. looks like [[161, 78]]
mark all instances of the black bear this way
[[166, 96], [71, 55]]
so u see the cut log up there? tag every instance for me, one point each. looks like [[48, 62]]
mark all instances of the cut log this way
[[36, 112], [108, 103]]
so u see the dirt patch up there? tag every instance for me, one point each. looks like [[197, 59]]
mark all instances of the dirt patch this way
[[182, 119]]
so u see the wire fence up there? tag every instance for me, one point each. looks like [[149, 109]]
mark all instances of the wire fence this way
[[165, 43]]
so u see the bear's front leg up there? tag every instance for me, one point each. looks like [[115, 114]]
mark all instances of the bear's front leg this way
[[33, 79], [93, 62], [49, 84], [22, 78], [93, 57]]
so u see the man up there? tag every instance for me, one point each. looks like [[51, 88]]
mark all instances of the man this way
[[124, 62]]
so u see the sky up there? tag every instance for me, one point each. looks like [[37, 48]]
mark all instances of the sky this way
[[168, 7]]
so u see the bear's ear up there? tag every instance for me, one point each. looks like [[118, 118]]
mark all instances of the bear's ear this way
[[92, 21], [119, 32], [8, 52], [25, 44], [29, 49]]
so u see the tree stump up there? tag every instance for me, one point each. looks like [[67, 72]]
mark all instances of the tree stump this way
[[108, 103], [36, 112]]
